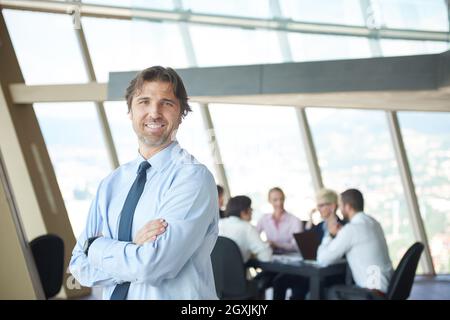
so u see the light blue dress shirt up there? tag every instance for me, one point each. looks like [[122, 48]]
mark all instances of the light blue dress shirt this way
[[175, 266]]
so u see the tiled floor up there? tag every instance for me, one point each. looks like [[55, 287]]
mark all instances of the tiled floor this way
[[434, 288], [424, 288]]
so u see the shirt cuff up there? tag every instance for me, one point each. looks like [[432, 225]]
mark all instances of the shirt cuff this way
[[96, 251]]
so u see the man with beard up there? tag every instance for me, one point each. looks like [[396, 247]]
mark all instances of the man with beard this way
[[363, 243], [153, 222]]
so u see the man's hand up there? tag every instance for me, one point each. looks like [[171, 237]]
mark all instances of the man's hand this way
[[150, 231]]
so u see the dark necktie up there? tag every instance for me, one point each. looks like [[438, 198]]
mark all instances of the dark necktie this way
[[126, 221]]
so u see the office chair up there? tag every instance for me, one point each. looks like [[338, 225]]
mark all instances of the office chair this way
[[229, 272], [48, 253], [399, 286]]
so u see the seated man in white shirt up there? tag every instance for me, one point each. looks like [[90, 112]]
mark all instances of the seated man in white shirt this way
[[363, 243], [236, 226]]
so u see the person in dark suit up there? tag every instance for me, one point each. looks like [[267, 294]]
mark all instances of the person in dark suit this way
[[327, 205]]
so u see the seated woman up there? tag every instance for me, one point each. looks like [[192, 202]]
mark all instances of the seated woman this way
[[327, 205], [237, 227], [279, 226]]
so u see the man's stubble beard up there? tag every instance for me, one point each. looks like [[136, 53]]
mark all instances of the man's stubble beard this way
[[165, 139]]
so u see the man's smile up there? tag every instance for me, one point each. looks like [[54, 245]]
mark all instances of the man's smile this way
[[154, 127]]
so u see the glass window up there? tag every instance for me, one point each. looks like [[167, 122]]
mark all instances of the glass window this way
[[391, 47], [415, 14], [249, 8], [234, 46], [193, 137], [46, 47], [78, 156], [355, 151], [124, 45], [261, 148], [427, 143], [324, 11], [122, 131], [309, 47], [191, 134]]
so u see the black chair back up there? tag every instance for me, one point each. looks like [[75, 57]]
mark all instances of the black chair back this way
[[403, 277], [229, 270], [48, 253]]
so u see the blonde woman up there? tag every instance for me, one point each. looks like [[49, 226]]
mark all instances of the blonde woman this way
[[280, 225]]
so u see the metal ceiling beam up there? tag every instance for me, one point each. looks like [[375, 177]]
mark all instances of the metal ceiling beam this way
[[422, 100], [99, 106], [23, 94], [208, 124], [310, 149], [179, 15], [410, 192]]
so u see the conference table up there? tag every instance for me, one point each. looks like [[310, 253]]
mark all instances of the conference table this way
[[293, 264]]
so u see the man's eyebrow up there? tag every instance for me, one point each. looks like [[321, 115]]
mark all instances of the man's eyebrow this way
[[168, 100], [143, 98]]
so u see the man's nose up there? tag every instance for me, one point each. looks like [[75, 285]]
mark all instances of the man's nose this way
[[154, 110]]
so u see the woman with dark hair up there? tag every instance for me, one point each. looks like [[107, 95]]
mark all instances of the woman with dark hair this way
[[238, 228]]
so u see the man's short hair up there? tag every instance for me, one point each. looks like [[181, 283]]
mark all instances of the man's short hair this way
[[354, 198], [158, 73], [219, 190], [238, 204]]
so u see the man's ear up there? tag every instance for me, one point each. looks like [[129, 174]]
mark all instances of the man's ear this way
[[344, 206], [130, 115]]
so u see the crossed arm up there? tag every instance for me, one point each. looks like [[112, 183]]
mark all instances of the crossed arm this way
[[189, 211], [79, 265]]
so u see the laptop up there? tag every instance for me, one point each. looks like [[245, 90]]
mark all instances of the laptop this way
[[308, 242]]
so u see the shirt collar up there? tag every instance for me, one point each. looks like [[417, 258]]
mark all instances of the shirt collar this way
[[282, 217], [161, 159], [358, 216]]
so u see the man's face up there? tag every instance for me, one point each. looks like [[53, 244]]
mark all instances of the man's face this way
[[344, 209], [155, 114]]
